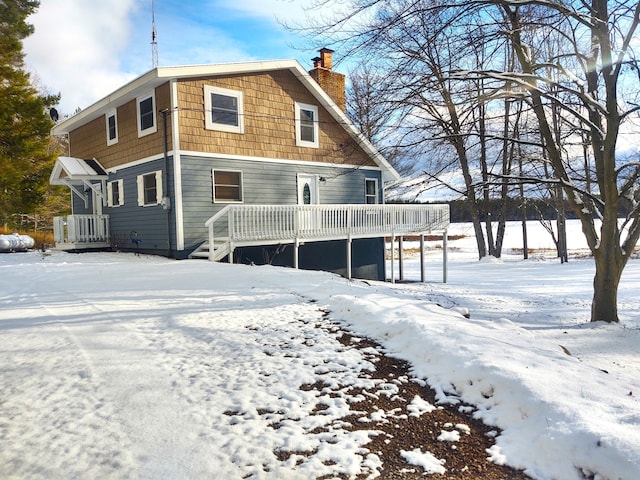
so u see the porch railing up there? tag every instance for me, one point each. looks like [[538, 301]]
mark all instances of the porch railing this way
[[244, 224], [81, 229]]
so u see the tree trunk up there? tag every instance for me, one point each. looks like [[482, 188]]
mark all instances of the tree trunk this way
[[477, 225], [604, 307]]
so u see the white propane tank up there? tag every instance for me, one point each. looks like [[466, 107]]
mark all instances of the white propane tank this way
[[16, 243]]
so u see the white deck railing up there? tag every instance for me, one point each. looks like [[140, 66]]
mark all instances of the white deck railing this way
[[246, 224], [81, 229]]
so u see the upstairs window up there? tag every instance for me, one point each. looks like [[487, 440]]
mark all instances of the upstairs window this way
[[227, 186], [370, 190], [115, 193], [306, 125], [224, 109], [112, 127], [146, 115], [150, 189]]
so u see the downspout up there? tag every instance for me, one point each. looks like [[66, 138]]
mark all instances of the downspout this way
[[166, 199]]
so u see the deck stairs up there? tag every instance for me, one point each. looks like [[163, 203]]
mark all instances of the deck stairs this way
[[220, 250]]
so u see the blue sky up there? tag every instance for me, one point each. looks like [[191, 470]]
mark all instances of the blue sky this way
[[84, 49]]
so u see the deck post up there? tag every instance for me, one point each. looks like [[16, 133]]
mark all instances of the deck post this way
[[393, 274], [422, 275], [349, 257], [296, 245], [444, 256], [400, 257], [231, 226], [349, 223], [211, 242]]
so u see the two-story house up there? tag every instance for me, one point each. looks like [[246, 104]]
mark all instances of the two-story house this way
[[197, 158]]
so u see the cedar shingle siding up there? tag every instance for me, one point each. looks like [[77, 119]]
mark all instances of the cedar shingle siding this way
[[269, 126], [90, 140]]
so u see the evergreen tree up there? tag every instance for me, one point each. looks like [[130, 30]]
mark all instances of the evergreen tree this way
[[25, 160]]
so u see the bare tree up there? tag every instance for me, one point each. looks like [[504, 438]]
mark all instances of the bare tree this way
[[370, 110], [594, 107], [428, 45]]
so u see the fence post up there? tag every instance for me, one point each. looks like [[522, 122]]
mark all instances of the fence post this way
[[71, 229]]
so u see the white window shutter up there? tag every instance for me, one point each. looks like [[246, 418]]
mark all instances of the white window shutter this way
[[121, 192], [140, 191], [159, 186], [109, 194]]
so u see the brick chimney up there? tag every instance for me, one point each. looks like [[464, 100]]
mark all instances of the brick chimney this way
[[331, 82]]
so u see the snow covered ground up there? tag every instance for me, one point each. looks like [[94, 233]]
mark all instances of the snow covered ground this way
[[117, 366]]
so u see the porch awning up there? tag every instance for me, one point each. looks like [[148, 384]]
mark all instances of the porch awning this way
[[81, 176], [76, 171]]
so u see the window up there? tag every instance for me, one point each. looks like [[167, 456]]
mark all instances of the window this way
[[146, 115], [115, 193], [306, 125], [112, 127], [306, 194], [223, 109], [227, 186], [370, 190], [150, 189]]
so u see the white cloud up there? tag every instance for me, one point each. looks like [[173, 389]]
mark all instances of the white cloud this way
[[85, 50], [76, 47]]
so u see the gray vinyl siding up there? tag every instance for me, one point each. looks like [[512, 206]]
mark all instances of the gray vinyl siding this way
[[265, 183], [150, 223], [77, 205]]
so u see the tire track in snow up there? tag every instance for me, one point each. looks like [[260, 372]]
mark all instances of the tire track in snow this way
[[46, 406]]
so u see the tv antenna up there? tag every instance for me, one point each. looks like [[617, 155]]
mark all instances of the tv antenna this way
[[154, 37]]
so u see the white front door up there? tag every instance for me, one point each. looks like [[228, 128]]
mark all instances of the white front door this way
[[308, 189], [307, 195], [96, 200]]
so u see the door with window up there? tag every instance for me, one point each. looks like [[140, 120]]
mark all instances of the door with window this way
[[308, 195]]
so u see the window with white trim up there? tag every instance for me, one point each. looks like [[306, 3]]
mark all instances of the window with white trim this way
[[115, 193], [223, 109], [146, 114], [370, 190], [150, 189], [112, 127], [227, 186], [306, 125]]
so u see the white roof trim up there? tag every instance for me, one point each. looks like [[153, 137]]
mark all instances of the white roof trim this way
[[160, 75]]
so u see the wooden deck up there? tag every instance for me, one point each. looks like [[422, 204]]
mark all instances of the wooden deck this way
[[244, 225]]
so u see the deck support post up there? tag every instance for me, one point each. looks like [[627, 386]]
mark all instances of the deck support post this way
[[296, 245], [349, 243], [422, 273], [393, 273], [400, 257], [444, 256], [231, 249]]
